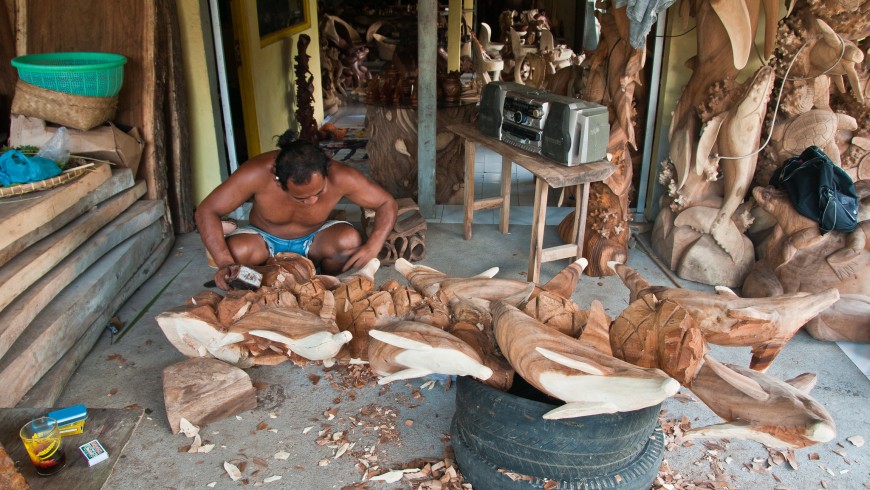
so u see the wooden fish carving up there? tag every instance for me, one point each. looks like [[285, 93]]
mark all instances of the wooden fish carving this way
[[563, 367], [404, 350], [730, 140], [484, 286], [765, 324], [760, 408]]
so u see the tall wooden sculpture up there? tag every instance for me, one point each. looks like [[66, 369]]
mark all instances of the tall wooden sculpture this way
[[305, 92], [615, 71]]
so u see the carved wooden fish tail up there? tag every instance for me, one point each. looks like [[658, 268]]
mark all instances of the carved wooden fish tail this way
[[734, 15], [565, 282], [631, 278]]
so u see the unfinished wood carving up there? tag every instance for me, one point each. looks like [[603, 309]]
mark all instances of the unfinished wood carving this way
[[404, 350], [795, 257], [272, 324], [653, 333], [563, 367], [701, 234], [764, 324], [205, 391], [408, 238], [615, 73]]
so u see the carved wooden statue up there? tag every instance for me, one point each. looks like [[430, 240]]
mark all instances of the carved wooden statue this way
[[615, 72], [404, 350], [305, 92], [795, 257], [408, 238], [662, 334], [765, 324], [590, 382]]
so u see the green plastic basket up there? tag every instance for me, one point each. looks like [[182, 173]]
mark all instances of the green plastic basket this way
[[90, 74]]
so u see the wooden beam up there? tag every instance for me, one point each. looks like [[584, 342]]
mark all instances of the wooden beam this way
[[49, 388], [22, 216], [120, 180], [427, 53], [488, 203], [57, 327], [15, 318], [30, 265], [559, 252]]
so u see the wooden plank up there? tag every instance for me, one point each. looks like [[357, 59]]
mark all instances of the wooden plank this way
[[111, 426], [180, 188], [427, 52], [120, 180], [56, 328], [539, 219], [468, 209], [559, 252], [488, 203], [30, 265], [506, 180], [21, 216], [555, 174], [46, 392], [15, 318]]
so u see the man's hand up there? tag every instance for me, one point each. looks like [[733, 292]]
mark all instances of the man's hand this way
[[221, 277], [361, 257]]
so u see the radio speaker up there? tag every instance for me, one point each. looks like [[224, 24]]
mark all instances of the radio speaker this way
[[491, 113], [575, 132]]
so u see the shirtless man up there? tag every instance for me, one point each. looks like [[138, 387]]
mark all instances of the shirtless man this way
[[293, 190]]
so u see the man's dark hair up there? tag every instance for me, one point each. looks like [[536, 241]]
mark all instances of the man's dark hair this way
[[298, 160]]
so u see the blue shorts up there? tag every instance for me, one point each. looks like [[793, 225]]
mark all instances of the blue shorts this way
[[277, 245]]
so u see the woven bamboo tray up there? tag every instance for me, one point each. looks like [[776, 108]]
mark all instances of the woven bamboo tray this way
[[82, 167]]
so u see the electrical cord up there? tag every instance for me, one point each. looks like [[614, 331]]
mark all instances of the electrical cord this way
[[785, 78]]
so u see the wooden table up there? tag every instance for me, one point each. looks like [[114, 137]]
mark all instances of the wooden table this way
[[111, 426], [547, 174]]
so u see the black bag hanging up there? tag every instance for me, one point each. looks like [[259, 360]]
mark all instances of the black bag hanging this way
[[819, 190]]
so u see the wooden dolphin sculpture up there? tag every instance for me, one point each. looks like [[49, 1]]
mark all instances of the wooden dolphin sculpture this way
[[314, 337], [759, 407], [195, 336], [765, 324], [404, 350], [590, 381], [731, 139], [429, 282]]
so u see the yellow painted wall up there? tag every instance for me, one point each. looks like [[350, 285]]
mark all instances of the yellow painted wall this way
[[274, 90], [274, 82], [204, 151]]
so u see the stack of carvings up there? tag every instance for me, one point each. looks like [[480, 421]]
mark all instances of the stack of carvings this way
[[718, 131], [489, 328]]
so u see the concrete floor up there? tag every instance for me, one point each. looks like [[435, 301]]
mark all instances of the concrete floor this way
[[129, 373]]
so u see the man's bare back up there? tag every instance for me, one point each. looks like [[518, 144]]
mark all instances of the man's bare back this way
[[293, 191]]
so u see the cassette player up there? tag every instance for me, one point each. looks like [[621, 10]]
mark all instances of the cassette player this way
[[563, 129]]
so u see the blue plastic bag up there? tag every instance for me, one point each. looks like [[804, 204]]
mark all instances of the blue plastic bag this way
[[18, 168]]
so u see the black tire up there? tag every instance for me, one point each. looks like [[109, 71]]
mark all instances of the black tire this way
[[638, 474], [508, 431]]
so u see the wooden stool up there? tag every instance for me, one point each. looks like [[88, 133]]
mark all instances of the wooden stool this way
[[408, 238]]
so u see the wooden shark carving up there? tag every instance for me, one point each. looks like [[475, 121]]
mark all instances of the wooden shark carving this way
[[765, 324], [563, 367], [404, 350]]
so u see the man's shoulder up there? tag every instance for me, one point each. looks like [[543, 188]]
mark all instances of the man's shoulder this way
[[260, 167]]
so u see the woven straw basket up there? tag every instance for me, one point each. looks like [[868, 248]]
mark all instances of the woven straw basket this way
[[73, 111], [78, 167]]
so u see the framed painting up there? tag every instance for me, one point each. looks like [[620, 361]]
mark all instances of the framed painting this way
[[277, 19]]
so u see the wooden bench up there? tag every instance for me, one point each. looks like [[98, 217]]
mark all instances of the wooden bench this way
[[547, 174]]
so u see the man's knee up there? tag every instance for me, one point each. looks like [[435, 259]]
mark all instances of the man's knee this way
[[336, 241], [248, 249]]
